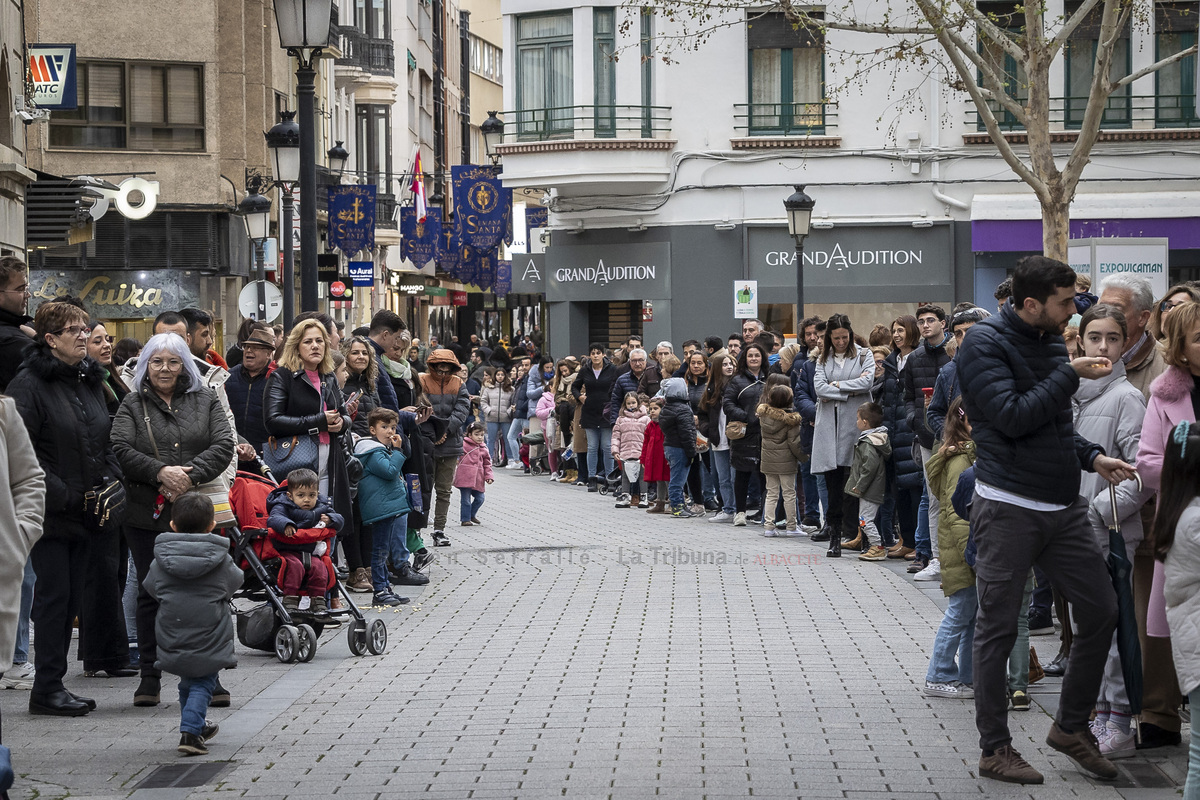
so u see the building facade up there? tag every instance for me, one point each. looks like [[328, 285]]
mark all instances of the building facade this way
[[14, 175], [667, 180]]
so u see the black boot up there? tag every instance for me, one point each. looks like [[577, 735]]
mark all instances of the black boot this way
[[593, 486], [147, 691], [823, 535], [835, 544]]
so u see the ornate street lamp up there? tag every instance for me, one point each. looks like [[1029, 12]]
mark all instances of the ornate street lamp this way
[[493, 136], [799, 207], [283, 145], [256, 214], [338, 156]]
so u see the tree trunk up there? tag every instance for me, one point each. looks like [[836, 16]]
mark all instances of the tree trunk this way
[[1056, 227]]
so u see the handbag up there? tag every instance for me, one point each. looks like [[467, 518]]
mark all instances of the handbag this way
[[412, 482], [286, 454], [735, 430], [354, 467], [215, 490], [1036, 673], [104, 505]]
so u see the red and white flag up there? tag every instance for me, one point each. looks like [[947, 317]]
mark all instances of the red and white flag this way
[[418, 187]]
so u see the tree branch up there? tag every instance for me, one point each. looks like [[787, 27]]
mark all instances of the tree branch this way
[[1070, 25], [1155, 67], [994, 32], [1102, 86]]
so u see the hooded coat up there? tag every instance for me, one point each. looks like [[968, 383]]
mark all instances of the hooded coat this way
[[193, 579], [868, 474], [654, 458], [22, 508], [837, 412], [382, 493], [953, 531], [629, 433], [474, 468], [782, 450], [494, 402], [284, 512], [451, 405], [676, 420], [1181, 591]]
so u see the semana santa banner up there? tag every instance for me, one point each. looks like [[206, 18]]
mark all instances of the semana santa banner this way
[[419, 240], [482, 206], [352, 218]]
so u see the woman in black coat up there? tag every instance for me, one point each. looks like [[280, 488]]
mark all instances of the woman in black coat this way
[[60, 395], [904, 478], [740, 404], [593, 387], [699, 477]]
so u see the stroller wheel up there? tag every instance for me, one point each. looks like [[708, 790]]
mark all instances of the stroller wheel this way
[[287, 644], [377, 637], [307, 647], [356, 637]]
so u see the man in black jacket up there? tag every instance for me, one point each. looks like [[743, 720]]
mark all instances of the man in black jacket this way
[[385, 325], [920, 374], [14, 295], [246, 386], [1016, 387]]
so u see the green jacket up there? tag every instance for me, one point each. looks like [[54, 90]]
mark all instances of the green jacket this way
[[868, 478], [781, 449], [943, 471]]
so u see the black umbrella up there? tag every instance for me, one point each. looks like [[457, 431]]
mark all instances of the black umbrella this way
[[1121, 571]]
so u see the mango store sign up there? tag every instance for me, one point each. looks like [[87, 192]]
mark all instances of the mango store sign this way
[[118, 294]]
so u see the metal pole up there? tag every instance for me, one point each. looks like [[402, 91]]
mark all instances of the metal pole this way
[[306, 78], [289, 261], [261, 258], [799, 289]]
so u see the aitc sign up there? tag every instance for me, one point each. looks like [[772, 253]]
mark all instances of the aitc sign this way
[[52, 68]]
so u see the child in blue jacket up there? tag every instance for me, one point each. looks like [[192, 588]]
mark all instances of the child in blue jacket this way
[[383, 501]]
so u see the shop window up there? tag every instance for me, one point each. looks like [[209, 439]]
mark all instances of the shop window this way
[[134, 106], [787, 77], [1080, 52], [545, 74], [1016, 84], [373, 146], [1175, 85]]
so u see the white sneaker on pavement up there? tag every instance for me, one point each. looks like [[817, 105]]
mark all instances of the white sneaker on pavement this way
[[739, 519], [931, 573], [721, 516], [1116, 743], [954, 690], [20, 676]]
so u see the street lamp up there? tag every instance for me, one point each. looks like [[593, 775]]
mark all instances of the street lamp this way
[[256, 214], [283, 144], [799, 209], [303, 30], [338, 156], [493, 136]]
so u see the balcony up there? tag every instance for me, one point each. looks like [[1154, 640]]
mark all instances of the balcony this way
[[1126, 118], [766, 125], [588, 149], [375, 56]]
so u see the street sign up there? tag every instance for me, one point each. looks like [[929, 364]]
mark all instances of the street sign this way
[[248, 301], [52, 73], [745, 299], [337, 289]]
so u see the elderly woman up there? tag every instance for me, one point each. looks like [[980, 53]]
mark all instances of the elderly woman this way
[[171, 435], [58, 392], [303, 400]]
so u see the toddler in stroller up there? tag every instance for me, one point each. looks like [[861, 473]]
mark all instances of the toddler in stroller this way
[[302, 526]]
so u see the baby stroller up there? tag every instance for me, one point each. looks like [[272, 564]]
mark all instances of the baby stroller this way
[[267, 625], [611, 483], [538, 461]]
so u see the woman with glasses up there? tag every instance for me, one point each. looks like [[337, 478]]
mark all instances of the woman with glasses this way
[[1176, 296], [58, 392], [171, 435]]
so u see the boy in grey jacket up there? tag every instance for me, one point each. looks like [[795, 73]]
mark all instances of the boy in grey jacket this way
[[193, 579], [868, 480]]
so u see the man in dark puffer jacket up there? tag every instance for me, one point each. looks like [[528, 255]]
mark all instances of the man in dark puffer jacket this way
[[1016, 387]]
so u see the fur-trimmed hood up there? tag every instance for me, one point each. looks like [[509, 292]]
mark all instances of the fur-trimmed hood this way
[[42, 363], [1172, 386], [788, 418]]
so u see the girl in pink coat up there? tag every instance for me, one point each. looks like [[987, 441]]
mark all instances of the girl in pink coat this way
[[474, 473]]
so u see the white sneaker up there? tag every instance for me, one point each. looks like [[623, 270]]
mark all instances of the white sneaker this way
[[721, 516], [19, 677], [739, 519], [1117, 743], [515, 465], [931, 573], [770, 532], [1099, 728], [953, 690], [809, 528]]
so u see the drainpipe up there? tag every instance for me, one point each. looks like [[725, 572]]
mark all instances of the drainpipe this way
[[935, 143]]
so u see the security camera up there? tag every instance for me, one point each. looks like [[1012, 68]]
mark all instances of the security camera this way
[[29, 114]]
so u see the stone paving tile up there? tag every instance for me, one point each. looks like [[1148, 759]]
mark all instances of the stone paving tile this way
[[640, 657]]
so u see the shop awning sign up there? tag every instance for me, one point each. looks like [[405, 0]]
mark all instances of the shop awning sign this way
[[362, 273], [52, 70]]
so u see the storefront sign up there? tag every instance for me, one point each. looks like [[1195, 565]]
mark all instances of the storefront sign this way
[[352, 217], [135, 198], [528, 270], [337, 289], [327, 267], [435, 291], [745, 299], [607, 272], [457, 298], [52, 71], [362, 273], [1102, 258], [118, 294], [899, 262]]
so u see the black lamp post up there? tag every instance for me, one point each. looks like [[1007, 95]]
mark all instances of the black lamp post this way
[[303, 31], [283, 144], [338, 156], [799, 207], [492, 129], [256, 214]]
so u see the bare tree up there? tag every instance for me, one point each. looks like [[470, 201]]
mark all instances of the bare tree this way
[[971, 45]]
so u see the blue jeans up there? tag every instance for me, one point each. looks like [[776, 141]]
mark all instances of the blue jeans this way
[[724, 476], [822, 492], [678, 461], [1191, 790], [924, 547], [513, 447], [389, 537], [599, 449], [194, 697], [21, 653], [472, 501], [708, 479], [956, 634], [812, 498], [495, 432]]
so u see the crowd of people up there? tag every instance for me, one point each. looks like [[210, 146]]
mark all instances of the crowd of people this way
[[981, 447]]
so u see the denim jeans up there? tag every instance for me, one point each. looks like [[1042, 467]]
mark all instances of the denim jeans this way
[[724, 478], [495, 432], [708, 479], [389, 537], [469, 504], [956, 635], [21, 653], [194, 697], [922, 536], [822, 491], [513, 446], [678, 461], [1018, 659], [1191, 790], [812, 497], [599, 449]]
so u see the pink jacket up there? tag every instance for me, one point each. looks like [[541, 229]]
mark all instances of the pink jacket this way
[[474, 467], [628, 432], [545, 406], [1170, 403]]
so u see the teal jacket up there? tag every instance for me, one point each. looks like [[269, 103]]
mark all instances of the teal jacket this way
[[382, 492]]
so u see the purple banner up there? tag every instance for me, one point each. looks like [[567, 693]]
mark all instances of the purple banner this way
[[1019, 235]]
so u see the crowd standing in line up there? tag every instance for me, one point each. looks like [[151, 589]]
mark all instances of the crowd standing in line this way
[[978, 446]]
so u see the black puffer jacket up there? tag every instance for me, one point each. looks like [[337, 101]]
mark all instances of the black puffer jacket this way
[[192, 432], [890, 395], [599, 395], [741, 405], [13, 342], [368, 401], [676, 420], [804, 399], [1016, 386], [246, 393], [920, 372], [63, 408]]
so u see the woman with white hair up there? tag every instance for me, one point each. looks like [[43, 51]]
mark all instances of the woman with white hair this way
[[170, 435]]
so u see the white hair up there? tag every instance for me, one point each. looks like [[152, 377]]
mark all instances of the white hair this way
[[670, 347], [637, 351], [1137, 286], [173, 344]]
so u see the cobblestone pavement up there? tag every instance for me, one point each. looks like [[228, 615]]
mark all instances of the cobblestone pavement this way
[[568, 648]]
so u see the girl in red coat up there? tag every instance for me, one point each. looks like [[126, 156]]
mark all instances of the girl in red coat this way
[[654, 459]]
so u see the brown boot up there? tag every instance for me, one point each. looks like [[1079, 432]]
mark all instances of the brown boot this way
[[291, 603], [634, 500], [318, 607], [659, 507]]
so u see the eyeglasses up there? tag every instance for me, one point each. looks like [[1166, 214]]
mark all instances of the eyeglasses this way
[[73, 332], [1167, 305], [19, 290], [158, 365]]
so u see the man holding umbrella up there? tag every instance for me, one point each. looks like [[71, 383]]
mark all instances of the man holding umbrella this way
[[1017, 384]]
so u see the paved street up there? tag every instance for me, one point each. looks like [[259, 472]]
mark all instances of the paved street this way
[[567, 648]]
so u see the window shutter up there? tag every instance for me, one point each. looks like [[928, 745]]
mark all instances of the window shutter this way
[[147, 101], [184, 96], [106, 92], [775, 32]]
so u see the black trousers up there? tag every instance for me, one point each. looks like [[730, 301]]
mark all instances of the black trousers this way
[[141, 546], [103, 640], [742, 482], [908, 503], [842, 514], [357, 543], [61, 567]]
